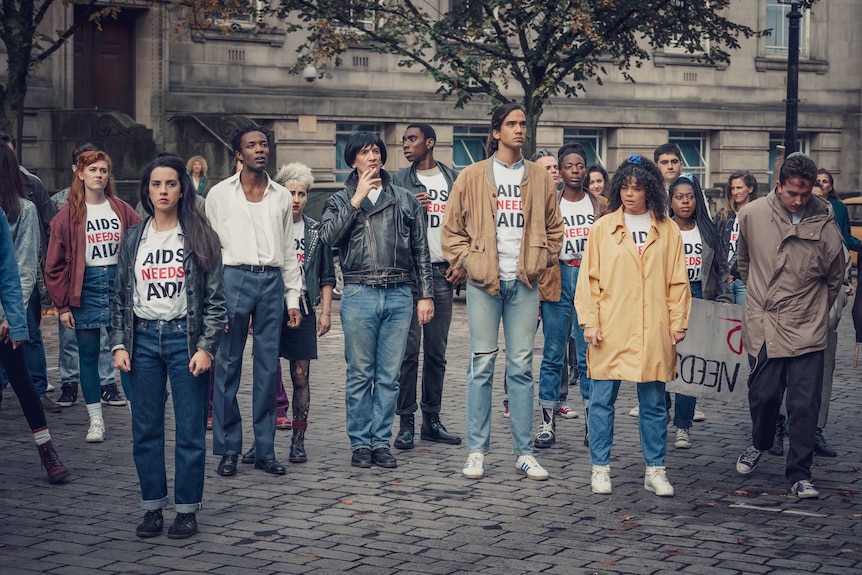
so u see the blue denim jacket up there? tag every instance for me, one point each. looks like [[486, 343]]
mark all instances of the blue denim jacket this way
[[10, 284], [26, 240]]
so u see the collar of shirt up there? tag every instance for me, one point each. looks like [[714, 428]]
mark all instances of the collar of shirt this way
[[515, 166]]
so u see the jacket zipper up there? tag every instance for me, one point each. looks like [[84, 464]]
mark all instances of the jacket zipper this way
[[372, 246]]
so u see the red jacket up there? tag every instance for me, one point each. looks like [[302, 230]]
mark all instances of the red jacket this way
[[64, 269]]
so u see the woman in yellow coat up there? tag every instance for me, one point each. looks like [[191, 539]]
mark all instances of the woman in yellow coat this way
[[633, 303]]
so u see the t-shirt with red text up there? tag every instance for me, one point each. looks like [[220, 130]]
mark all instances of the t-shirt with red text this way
[[510, 218], [103, 232], [692, 243], [160, 286], [299, 246], [734, 239], [638, 226], [438, 192], [578, 217]]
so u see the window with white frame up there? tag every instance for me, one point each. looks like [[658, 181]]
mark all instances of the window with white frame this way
[[777, 139], [694, 147], [342, 134], [593, 140], [468, 145], [779, 39]]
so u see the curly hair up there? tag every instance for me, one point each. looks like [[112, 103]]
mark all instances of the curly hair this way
[[638, 169], [191, 163]]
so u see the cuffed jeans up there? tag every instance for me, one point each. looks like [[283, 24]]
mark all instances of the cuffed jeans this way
[[161, 351], [257, 297], [800, 379], [434, 337], [375, 323], [34, 348], [68, 363], [652, 421], [517, 305]]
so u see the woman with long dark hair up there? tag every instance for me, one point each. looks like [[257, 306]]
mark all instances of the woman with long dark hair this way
[[167, 320], [81, 266]]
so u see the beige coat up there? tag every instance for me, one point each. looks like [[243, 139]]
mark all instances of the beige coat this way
[[793, 274], [636, 301], [469, 234]]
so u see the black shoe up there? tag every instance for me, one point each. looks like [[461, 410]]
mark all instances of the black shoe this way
[[821, 447], [297, 447], [111, 396], [361, 458], [69, 395], [547, 432], [271, 466], [433, 430], [151, 525], [382, 458], [185, 525], [404, 439], [227, 467], [249, 457], [49, 406]]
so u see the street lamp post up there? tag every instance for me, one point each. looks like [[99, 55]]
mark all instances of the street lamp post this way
[[791, 129]]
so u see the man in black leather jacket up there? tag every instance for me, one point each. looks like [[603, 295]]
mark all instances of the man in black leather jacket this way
[[430, 182], [379, 230]]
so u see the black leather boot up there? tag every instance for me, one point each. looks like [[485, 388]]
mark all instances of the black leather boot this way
[[778, 443], [297, 446], [433, 430], [821, 447], [404, 439]]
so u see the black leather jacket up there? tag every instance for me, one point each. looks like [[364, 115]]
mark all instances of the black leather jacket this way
[[318, 268], [725, 226], [382, 239], [207, 313]]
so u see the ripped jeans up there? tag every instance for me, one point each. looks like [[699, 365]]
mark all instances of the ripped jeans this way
[[518, 306]]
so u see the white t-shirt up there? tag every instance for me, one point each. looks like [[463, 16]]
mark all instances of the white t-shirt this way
[[160, 282], [510, 218], [265, 240], [438, 192], [734, 239], [638, 226], [374, 195], [299, 245], [578, 217], [103, 234], [692, 243]]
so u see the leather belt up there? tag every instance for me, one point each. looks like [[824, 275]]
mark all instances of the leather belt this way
[[385, 281], [572, 263], [256, 269]]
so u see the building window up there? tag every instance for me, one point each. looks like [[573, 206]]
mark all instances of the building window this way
[[342, 134], [694, 152], [592, 140], [776, 20], [777, 139], [468, 143]]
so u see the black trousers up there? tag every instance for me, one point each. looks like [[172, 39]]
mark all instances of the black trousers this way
[[12, 360], [800, 379]]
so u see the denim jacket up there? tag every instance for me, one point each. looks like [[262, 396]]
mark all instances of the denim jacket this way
[[10, 284], [25, 240], [207, 312]]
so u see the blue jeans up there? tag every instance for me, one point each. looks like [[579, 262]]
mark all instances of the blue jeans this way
[[557, 316], [69, 367], [375, 323], [160, 352], [652, 421], [34, 349], [258, 297], [738, 291], [517, 305]]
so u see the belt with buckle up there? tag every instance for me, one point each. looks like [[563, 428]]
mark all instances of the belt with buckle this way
[[378, 281], [256, 269], [572, 263]]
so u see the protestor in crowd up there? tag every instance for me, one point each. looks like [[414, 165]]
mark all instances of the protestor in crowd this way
[[791, 258], [598, 181], [741, 189], [380, 232], [668, 158], [633, 301], [19, 260], [503, 227], [548, 160], [82, 265], [68, 353], [430, 181], [253, 217], [167, 319], [197, 169], [579, 210], [706, 264]]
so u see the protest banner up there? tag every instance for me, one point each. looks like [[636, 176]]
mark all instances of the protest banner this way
[[711, 362]]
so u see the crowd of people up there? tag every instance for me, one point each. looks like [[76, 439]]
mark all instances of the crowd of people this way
[[607, 266]]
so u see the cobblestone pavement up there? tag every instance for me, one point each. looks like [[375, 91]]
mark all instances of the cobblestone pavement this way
[[424, 517]]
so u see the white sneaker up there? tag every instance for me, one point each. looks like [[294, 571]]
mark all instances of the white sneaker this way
[[600, 480], [635, 411], [699, 415], [50, 388], [527, 465], [683, 439], [475, 466], [96, 433], [655, 480], [566, 412]]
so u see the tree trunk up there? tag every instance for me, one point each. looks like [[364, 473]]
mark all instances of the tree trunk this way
[[534, 113]]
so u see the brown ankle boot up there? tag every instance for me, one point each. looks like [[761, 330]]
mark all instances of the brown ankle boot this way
[[57, 472]]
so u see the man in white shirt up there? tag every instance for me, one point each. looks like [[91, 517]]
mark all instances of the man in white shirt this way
[[253, 218]]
